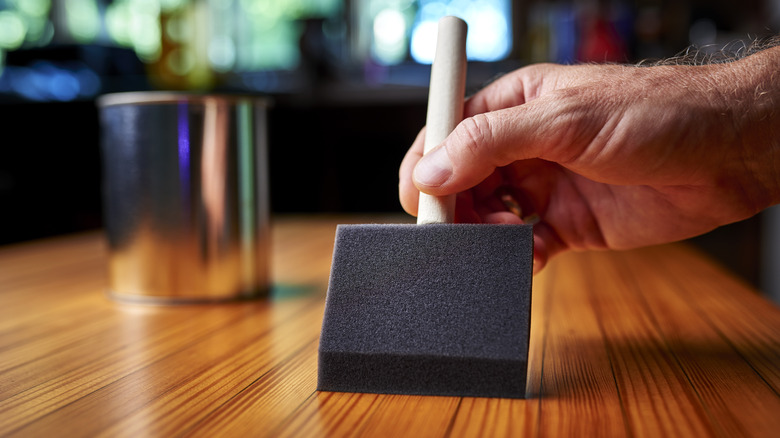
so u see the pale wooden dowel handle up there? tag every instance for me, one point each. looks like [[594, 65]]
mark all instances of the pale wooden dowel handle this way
[[445, 108]]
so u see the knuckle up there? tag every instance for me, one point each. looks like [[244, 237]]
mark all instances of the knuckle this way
[[473, 132]]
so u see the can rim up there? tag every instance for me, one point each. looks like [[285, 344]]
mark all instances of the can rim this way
[[155, 97]]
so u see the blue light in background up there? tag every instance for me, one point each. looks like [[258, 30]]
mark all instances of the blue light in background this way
[[62, 86], [184, 154], [489, 35], [47, 81]]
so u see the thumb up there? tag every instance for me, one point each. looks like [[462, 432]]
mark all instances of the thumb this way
[[476, 147]]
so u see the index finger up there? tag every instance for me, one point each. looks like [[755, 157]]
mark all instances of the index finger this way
[[512, 89]]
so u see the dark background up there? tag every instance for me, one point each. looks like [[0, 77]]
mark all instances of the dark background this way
[[336, 141]]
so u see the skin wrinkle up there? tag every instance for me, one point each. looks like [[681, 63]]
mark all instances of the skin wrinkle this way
[[589, 240], [566, 123], [613, 201], [612, 128], [519, 89], [606, 204], [472, 132], [482, 103], [528, 88], [748, 113], [683, 217], [502, 157], [678, 88], [645, 154], [729, 102], [659, 203], [693, 195], [687, 94], [594, 96], [604, 142], [479, 100]]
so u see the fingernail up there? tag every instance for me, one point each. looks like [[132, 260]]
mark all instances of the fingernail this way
[[434, 169]]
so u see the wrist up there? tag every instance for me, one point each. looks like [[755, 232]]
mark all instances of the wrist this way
[[749, 90], [762, 118]]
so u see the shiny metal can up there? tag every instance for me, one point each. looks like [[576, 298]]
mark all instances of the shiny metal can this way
[[186, 197]]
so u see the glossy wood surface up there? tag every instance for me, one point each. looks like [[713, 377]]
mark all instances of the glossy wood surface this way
[[651, 342]]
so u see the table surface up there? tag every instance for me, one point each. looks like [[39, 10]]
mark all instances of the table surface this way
[[651, 342]]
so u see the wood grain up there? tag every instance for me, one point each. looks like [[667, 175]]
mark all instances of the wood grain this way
[[578, 373], [650, 342]]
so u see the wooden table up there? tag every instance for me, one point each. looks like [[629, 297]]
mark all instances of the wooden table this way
[[653, 342]]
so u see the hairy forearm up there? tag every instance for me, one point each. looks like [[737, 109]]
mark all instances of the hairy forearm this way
[[756, 84], [731, 53]]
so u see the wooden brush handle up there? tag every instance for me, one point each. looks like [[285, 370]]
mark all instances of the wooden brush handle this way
[[445, 108]]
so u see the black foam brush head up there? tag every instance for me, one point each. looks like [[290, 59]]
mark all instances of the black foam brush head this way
[[438, 309]]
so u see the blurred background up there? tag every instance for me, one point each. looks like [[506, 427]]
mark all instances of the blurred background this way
[[349, 80]]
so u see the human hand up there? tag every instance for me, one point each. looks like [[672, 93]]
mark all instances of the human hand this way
[[612, 156]]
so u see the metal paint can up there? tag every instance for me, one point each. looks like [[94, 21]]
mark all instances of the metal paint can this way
[[186, 197]]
